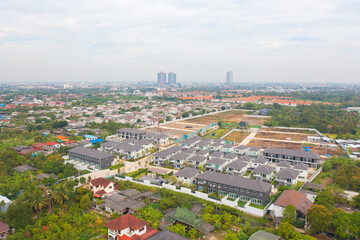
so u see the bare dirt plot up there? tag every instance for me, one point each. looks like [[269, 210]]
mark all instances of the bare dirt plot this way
[[314, 148], [171, 132], [184, 125], [291, 130], [230, 116], [237, 136], [282, 136]]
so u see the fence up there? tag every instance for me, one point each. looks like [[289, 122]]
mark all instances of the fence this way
[[234, 204]]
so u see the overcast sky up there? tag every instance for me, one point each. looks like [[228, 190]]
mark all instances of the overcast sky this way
[[132, 40]]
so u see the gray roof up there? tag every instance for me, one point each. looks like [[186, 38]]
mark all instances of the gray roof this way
[[292, 152], [168, 152], [254, 149], [197, 158], [121, 203], [241, 147], [24, 168], [228, 145], [45, 175], [262, 235], [230, 156], [129, 192], [260, 160], [217, 161], [156, 136], [20, 147], [202, 152], [191, 140], [288, 173], [284, 164], [189, 150], [238, 164], [167, 235], [216, 154], [301, 166], [131, 130], [264, 169], [180, 156], [236, 181], [246, 158], [187, 172], [90, 152]]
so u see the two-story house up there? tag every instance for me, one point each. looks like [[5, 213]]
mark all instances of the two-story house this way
[[100, 186], [264, 173], [197, 161], [240, 150], [216, 164], [253, 152], [303, 169], [237, 167], [187, 175], [287, 177]]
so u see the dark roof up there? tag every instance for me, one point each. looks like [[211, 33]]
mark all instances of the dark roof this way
[[236, 181], [167, 235], [24, 168], [189, 150], [292, 152], [202, 152], [313, 185], [288, 173], [131, 130], [238, 164], [295, 198], [264, 169], [20, 147], [90, 152], [129, 192], [192, 140], [187, 172]]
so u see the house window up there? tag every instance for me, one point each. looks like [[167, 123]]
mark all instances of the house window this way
[[241, 190], [231, 187], [237, 189], [200, 188], [254, 193], [247, 191], [141, 229]]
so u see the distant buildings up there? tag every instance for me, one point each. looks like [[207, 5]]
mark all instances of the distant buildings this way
[[229, 77], [171, 78], [161, 78]]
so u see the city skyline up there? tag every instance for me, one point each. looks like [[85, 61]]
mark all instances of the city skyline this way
[[280, 41]]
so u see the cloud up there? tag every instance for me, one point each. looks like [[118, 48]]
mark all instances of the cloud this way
[[198, 39]]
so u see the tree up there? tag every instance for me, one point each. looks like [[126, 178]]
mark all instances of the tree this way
[[82, 180], [231, 236], [185, 115], [168, 118], [289, 214], [319, 218], [39, 200], [19, 214], [286, 230], [60, 194], [356, 200], [85, 202], [325, 198]]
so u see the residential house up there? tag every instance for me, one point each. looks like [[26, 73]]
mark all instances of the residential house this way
[[216, 155], [263, 235], [128, 227], [281, 165], [241, 150], [290, 197], [291, 155], [197, 161], [253, 152], [24, 168], [187, 175], [161, 157], [287, 177], [42, 176], [6, 203], [190, 142], [125, 133], [44, 132], [227, 148], [258, 162], [264, 173], [90, 137], [230, 157], [161, 139], [100, 186], [178, 159], [235, 186], [99, 159], [216, 164], [4, 230], [303, 169], [117, 202], [237, 167]]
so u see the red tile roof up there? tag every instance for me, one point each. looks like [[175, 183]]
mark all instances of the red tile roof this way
[[100, 181], [99, 193], [126, 221], [295, 198], [4, 227], [38, 145], [51, 143]]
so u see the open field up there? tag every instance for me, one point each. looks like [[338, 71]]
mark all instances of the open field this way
[[315, 148], [283, 135], [291, 130], [236, 136], [184, 125], [171, 132], [229, 116]]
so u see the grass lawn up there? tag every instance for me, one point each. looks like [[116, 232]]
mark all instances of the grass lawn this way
[[218, 133], [241, 203], [231, 199], [325, 178], [257, 206]]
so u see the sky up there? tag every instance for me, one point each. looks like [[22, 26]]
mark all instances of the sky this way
[[131, 40]]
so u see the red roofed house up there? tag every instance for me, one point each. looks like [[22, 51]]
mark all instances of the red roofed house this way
[[54, 144], [4, 230], [293, 197], [38, 145], [128, 227], [100, 186]]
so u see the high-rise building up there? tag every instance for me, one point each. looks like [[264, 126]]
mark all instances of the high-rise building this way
[[171, 78], [161, 78], [229, 77]]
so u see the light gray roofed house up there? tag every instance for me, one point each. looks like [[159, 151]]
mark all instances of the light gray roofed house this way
[[180, 156], [168, 152], [132, 130], [228, 145], [241, 147], [284, 164], [128, 147], [187, 172], [301, 166], [254, 149], [156, 136], [260, 160], [219, 140], [24, 168], [238, 165], [288, 173], [263, 235], [191, 141], [189, 150], [197, 158], [264, 169], [292, 152], [48, 148], [217, 161], [236, 181], [129, 192], [231, 156], [216, 154], [202, 152], [246, 158], [20, 147]]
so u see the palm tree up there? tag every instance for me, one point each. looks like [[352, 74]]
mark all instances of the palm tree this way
[[60, 194], [39, 200]]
